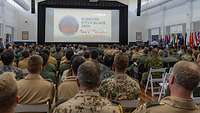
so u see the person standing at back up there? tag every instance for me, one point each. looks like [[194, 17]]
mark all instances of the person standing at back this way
[[34, 89], [88, 99], [184, 78]]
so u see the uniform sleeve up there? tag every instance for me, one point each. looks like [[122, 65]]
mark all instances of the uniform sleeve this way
[[141, 109], [105, 89]]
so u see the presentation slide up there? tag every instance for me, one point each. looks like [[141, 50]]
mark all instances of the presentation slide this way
[[81, 25]]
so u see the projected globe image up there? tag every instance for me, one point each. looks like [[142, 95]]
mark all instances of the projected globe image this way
[[68, 25]]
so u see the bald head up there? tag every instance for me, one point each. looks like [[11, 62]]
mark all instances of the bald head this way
[[8, 92], [89, 74], [187, 74]]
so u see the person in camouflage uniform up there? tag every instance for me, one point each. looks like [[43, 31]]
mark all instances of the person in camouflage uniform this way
[[154, 61], [7, 58], [187, 56], [120, 86], [184, 78], [88, 99]]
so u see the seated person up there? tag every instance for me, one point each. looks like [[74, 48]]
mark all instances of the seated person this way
[[107, 68], [7, 58], [23, 64], [120, 86], [183, 80], [51, 59], [8, 93], [69, 87], [48, 70], [34, 89], [66, 64], [88, 99]]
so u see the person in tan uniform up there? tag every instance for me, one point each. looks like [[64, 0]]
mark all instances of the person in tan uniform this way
[[34, 89], [23, 64], [88, 99], [8, 93], [69, 87], [184, 78]]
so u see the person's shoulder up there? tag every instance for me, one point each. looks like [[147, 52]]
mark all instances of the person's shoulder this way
[[148, 107], [107, 81], [63, 108], [112, 109]]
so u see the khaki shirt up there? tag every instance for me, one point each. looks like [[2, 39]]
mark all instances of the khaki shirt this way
[[68, 89], [52, 60], [23, 64], [34, 90], [170, 105], [87, 102]]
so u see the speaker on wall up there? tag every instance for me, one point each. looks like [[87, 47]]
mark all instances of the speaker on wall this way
[[138, 7], [33, 6]]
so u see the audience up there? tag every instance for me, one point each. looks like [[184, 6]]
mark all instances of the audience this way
[[88, 99], [34, 89], [181, 88], [120, 86], [8, 93], [81, 75], [69, 87]]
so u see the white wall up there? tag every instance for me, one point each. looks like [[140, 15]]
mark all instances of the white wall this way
[[187, 12], [136, 23], [16, 18]]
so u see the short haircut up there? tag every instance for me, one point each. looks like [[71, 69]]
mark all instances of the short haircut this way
[[34, 64], [25, 54], [86, 54], [46, 51], [121, 61], [7, 57], [89, 74], [8, 92], [187, 74], [94, 54], [45, 58], [69, 53], [108, 60], [76, 62]]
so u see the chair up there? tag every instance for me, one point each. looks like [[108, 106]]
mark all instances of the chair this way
[[164, 84], [152, 80], [32, 108]]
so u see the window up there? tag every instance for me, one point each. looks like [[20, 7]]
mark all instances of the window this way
[[13, 3], [147, 1]]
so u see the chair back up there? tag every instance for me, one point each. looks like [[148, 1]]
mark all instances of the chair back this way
[[32, 108]]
